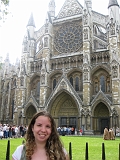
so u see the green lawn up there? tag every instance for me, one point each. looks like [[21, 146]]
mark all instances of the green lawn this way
[[78, 147]]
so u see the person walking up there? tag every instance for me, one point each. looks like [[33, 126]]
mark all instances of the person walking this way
[[106, 134], [1, 131]]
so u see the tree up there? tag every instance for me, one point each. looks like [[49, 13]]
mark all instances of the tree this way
[[6, 2], [3, 9]]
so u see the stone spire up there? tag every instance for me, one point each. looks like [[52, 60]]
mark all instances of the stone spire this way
[[52, 8], [113, 9], [29, 39], [31, 21], [7, 58], [88, 4], [113, 3]]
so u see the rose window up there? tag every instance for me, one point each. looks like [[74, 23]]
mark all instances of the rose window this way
[[68, 38]]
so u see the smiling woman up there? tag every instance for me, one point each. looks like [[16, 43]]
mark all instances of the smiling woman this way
[[42, 140]]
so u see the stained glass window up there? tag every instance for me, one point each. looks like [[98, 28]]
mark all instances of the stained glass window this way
[[68, 38], [102, 83], [54, 83]]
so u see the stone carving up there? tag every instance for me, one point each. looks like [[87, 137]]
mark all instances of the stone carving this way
[[114, 71], [46, 30], [25, 43], [39, 45], [62, 83], [85, 33], [40, 33], [22, 81], [108, 86], [96, 87], [114, 55], [85, 18], [86, 59], [85, 76], [112, 27], [99, 18], [68, 38], [85, 112], [70, 8], [114, 112], [46, 42], [43, 79], [86, 70]]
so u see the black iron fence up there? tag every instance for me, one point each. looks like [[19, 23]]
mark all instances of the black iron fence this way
[[87, 154], [70, 151], [8, 151]]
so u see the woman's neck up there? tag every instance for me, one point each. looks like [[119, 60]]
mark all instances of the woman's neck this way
[[40, 145]]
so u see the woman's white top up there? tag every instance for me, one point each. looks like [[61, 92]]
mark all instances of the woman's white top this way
[[17, 154]]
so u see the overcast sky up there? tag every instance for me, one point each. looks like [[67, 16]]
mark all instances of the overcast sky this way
[[13, 30]]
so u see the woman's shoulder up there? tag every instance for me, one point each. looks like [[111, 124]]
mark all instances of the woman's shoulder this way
[[17, 154], [20, 147], [64, 150], [66, 154]]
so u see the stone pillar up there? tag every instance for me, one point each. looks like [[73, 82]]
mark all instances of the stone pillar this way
[[114, 60], [86, 56]]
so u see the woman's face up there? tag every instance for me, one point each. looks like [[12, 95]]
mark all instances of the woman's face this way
[[42, 129]]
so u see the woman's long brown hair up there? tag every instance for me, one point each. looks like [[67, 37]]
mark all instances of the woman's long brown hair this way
[[54, 146]]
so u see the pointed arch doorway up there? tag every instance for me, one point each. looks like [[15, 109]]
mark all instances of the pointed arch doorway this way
[[101, 118], [29, 114], [65, 111]]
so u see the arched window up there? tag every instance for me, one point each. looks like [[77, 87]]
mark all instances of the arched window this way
[[95, 30], [54, 83], [71, 81], [38, 89], [102, 83], [22, 81], [77, 84]]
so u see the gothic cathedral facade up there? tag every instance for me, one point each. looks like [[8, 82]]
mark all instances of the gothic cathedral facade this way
[[69, 67]]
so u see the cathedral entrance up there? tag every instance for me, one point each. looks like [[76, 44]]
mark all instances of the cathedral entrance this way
[[64, 110], [29, 114], [101, 118], [104, 122], [68, 122]]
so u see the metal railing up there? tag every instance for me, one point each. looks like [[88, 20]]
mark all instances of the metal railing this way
[[8, 151], [70, 151], [87, 154]]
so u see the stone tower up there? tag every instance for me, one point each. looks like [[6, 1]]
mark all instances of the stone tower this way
[[52, 9], [113, 9], [114, 50]]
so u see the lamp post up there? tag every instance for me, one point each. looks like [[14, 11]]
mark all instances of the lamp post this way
[[115, 123]]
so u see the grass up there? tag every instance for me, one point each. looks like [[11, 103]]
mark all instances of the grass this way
[[94, 147], [78, 147]]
